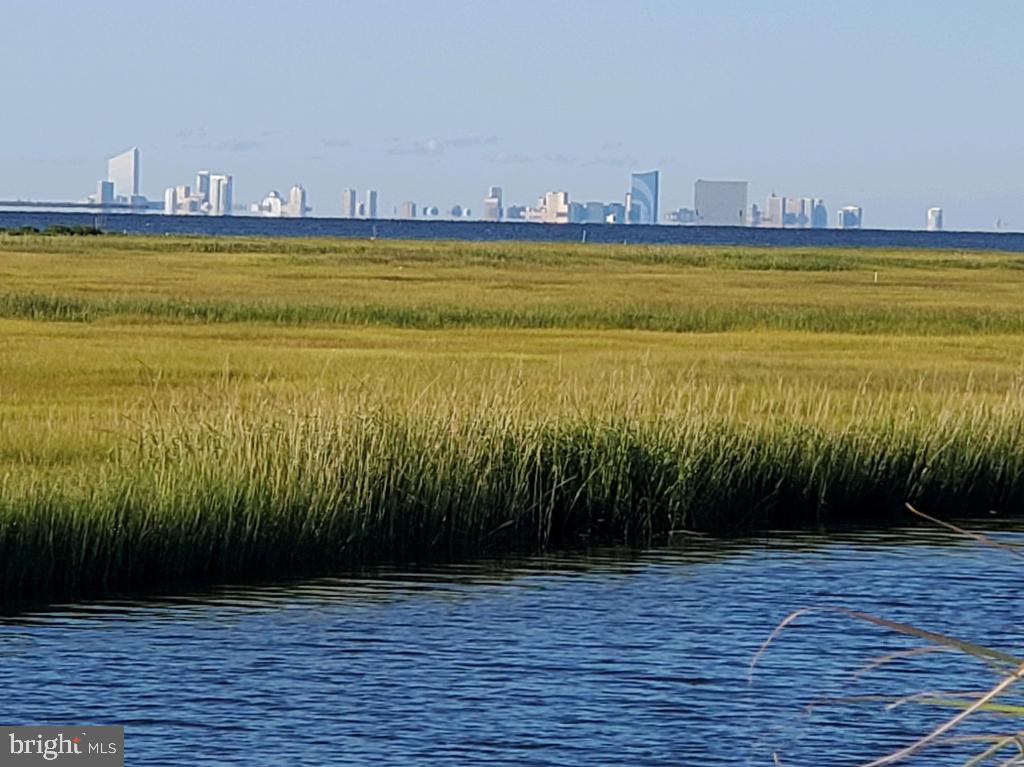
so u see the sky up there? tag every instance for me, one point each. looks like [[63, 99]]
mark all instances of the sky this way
[[890, 104]]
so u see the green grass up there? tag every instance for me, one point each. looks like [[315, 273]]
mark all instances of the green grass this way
[[178, 410], [686, 318]]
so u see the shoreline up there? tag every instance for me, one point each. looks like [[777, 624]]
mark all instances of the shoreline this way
[[155, 224]]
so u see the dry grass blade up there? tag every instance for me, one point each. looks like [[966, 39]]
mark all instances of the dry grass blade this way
[[898, 655], [955, 699], [775, 633], [975, 650], [1013, 761], [995, 748], [1014, 550], [943, 640], [950, 723]]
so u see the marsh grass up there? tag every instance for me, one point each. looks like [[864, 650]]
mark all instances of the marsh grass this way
[[340, 251], [185, 410], [680, 319], [255, 489]]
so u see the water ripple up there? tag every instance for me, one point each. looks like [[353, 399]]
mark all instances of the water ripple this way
[[612, 658]]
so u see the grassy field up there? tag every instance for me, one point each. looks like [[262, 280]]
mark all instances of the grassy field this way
[[178, 410]]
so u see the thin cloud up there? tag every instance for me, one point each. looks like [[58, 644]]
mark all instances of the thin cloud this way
[[429, 147], [612, 161], [227, 145], [463, 142], [191, 134], [236, 145], [559, 158], [435, 146], [508, 158]]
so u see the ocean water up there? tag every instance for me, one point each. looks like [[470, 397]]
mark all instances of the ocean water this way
[[482, 231]]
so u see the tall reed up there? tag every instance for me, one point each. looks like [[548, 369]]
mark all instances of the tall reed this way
[[311, 485]]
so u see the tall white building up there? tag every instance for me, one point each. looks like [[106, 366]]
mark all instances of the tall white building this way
[[493, 205], [934, 219], [203, 185], [720, 203], [349, 203], [774, 211], [552, 208], [297, 202], [272, 206], [182, 201], [170, 201], [123, 171], [371, 203], [220, 195]]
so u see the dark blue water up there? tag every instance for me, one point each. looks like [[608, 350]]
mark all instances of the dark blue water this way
[[479, 230], [614, 659]]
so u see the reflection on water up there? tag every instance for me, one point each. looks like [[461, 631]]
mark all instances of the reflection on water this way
[[610, 658]]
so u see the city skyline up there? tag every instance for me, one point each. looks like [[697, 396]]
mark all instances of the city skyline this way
[[715, 203], [429, 123]]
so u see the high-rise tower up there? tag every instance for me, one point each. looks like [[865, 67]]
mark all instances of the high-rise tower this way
[[123, 171], [349, 204], [643, 198]]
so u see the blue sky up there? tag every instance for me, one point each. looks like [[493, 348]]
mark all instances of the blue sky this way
[[894, 105]]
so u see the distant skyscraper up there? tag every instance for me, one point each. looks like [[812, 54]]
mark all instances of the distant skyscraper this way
[[297, 202], [371, 203], [408, 209], [594, 213], [774, 211], [934, 219], [643, 198], [615, 213], [123, 170], [220, 195], [683, 216], [492, 205], [552, 208], [798, 212], [170, 201], [105, 192], [349, 203], [272, 206], [186, 201], [203, 185], [850, 217], [819, 215], [720, 203]]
